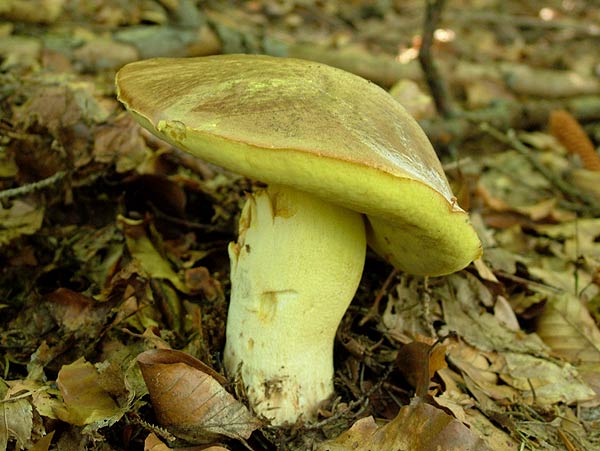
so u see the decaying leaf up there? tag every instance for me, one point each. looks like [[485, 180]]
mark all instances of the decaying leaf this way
[[543, 382], [189, 399], [120, 143], [19, 219], [43, 444], [511, 181], [16, 419], [567, 327], [575, 238], [146, 254], [75, 312], [517, 377], [569, 330], [19, 51], [418, 427], [402, 317], [474, 412], [461, 298], [98, 252], [84, 400], [62, 101], [478, 369]]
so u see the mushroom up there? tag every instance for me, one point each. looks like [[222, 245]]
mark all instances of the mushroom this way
[[345, 165]]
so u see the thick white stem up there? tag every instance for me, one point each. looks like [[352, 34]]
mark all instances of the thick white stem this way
[[294, 270]]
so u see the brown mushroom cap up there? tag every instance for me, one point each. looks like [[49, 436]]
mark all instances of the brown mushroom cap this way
[[314, 128]]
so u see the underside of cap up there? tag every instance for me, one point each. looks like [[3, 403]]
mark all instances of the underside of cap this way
[[314, 128]]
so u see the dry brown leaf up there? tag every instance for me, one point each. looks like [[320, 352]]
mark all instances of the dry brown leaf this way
[[121, 143], [402, 317], [16, 417], [44, 443], [542, 381], [578, 237], [568, 328], [75, 312], [484, 271], [477, 369], [418, 362], [461, 300], [590, 373], [153, 443], [510, 182], [85, 401], [189, 399], [506, 376], [505, 314], [474, 413], [63, 102], [418, 427]]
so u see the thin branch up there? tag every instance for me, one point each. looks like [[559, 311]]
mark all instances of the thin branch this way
[[439, 91], [374, 310], [32, 187], [362, 401], [585, 28]]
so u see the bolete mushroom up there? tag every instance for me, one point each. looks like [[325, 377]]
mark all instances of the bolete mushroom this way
[[345, 164]]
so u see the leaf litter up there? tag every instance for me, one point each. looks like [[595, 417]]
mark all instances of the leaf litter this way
[[113, 251]]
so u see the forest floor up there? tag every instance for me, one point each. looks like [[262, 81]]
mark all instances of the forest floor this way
[[113, 243]]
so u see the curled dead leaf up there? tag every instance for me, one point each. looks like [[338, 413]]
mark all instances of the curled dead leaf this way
[[418, 362], [418, 427], [189, 399]]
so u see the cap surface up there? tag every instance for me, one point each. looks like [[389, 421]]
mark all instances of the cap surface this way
[[315, 128]]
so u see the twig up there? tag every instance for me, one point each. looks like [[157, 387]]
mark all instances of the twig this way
[[531, 284], [439, 91], [184, 222], [374, 310], [362, 401], [32, 187], [580, 27], [511, 139], [158, 430]]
